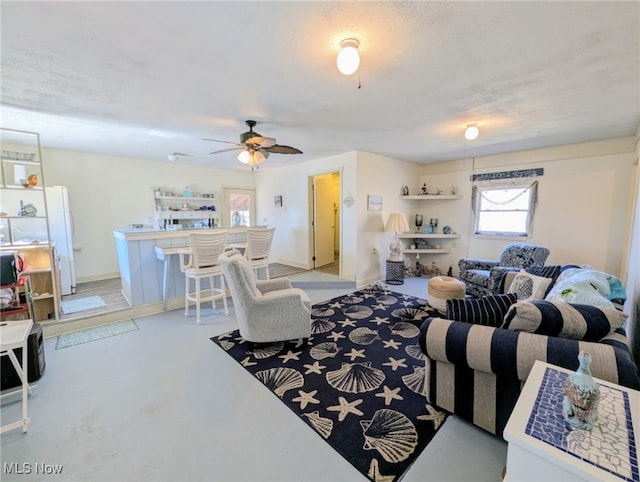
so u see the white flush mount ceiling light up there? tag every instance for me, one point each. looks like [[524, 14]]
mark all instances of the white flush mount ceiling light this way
[[471, 132], [175, 156], [348, 57]]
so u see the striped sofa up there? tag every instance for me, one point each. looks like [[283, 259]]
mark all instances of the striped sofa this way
[[477, 371]]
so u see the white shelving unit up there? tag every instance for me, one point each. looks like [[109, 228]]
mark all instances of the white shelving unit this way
[[445, 238], [178, 212], [24, 225]]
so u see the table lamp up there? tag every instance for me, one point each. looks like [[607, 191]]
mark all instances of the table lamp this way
[[396, 223]]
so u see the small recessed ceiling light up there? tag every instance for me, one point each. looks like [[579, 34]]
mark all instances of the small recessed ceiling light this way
[[471, 132]]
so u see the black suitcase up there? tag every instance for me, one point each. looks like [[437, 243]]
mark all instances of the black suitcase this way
[[36, 362]]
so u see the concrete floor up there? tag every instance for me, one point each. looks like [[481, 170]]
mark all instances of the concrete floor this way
[[164, 403]]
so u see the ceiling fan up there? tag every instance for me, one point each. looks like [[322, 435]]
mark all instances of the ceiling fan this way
[[255, 147]]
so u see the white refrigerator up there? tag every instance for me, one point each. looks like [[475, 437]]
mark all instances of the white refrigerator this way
[[61, 230]]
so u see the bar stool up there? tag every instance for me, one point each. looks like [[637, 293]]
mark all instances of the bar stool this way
[[201, 261]]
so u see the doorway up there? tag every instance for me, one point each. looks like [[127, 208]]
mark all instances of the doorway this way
[[325, 222]]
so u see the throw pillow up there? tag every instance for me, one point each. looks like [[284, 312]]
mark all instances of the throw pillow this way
[[529, 286], [565, 320], [488, 310]]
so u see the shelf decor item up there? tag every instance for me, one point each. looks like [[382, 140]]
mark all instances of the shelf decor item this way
[[582, 395]]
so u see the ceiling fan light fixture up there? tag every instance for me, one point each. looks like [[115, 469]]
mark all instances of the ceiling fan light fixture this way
[[251, 157], [348, 58], [471, 132]]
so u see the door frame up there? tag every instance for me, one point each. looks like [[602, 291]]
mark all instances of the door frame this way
[[311, 205]]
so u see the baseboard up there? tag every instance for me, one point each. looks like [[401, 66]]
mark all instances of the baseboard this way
[[291, 262], [97, 277]]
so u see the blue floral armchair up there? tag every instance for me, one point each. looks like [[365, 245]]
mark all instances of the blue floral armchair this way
[[485, 277]]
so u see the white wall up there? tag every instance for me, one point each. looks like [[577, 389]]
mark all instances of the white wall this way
[[107, 193], [582, 215], [292, 242], [632, 274], [583, 201], [381, 176]]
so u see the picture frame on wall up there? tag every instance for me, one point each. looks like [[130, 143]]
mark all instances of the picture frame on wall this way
[[277, 201], [374, 203]]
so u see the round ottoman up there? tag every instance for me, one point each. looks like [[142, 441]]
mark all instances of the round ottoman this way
[[443, 288]]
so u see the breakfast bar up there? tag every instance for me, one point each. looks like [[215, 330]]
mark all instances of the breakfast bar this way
[[144, 258]]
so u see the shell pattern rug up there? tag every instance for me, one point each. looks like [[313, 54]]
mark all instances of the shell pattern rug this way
[[360, 382]]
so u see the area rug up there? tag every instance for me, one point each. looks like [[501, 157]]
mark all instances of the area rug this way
[[360, 383], [97, 333], [82, 304]]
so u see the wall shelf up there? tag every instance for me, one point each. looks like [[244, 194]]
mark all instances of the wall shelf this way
[[427, 236], [426, 251], [432, 197]]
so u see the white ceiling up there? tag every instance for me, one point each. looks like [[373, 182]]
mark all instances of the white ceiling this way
[[144, 79]]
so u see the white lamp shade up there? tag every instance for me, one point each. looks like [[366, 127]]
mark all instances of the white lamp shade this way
[[348, 58], [397, 222], [251, 157], [471, 132]]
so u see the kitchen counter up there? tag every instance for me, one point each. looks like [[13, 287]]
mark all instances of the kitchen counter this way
[[141, 272]]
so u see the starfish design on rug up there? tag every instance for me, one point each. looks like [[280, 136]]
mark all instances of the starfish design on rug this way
[[391, 344], [347, 322], [247, 362], [375, 475], [336, 305], [240, 340], [336, 335], [389, 395], [345, 408], [436, 417], [406, 303], [395, 364], [380, 321], [290, 356], [380, 306], [353, 354], [226, 335], [315, 368], [306, 398]]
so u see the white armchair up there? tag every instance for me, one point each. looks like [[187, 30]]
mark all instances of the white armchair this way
[[267, 310]]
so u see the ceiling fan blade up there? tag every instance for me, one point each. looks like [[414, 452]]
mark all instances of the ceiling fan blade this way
[[279, 149], [227, 150], [216, 140], [261, 141]]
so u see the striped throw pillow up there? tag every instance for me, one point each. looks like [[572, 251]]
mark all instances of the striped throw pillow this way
[[488, 310], [564, 320]]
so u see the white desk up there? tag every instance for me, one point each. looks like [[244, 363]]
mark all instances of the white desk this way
[[13, 335], [543, 447]]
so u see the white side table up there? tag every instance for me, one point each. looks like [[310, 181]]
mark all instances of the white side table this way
[[13, 335], [543, 447]]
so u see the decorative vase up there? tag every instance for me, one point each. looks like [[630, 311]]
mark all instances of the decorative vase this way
[[582, 395]]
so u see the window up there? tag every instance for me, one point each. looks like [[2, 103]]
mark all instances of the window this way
[[504, 210], [239, 207]]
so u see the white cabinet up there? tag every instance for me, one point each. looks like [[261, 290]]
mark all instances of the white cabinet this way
[[185, 212]]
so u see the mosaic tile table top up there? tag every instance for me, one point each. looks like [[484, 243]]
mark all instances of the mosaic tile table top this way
[[610, 445]]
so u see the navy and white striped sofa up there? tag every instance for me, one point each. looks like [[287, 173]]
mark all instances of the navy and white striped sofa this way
[[477, 371]]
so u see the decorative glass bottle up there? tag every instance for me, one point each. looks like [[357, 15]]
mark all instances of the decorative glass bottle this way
[[582, 395]]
